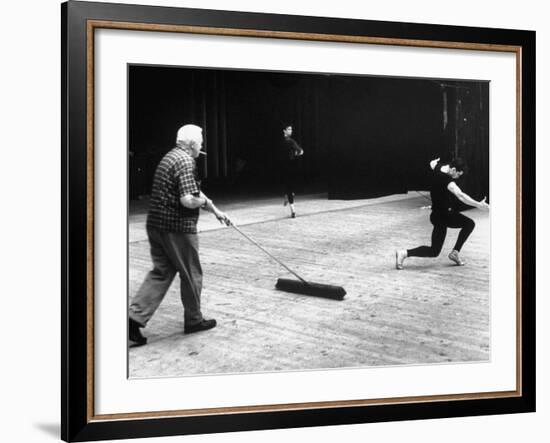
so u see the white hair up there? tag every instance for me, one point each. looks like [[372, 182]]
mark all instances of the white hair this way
[[189, 134]]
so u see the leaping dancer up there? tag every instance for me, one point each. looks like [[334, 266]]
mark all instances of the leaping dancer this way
[[443, 216]]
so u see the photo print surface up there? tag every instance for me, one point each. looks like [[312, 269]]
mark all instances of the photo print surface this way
[[241, 179]]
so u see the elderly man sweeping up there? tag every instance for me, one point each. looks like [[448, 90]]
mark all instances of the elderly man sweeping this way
[[176, 201]]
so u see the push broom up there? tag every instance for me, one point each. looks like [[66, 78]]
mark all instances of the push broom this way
[[302, 286]]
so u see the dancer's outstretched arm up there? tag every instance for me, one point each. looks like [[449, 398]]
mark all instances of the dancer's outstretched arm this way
[[465, 198]]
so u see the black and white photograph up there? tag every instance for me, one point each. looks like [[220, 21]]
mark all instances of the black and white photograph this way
[[300, 221], [275, 221], [284, 221]]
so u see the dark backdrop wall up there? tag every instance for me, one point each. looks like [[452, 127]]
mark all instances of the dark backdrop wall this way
[[363, 136]]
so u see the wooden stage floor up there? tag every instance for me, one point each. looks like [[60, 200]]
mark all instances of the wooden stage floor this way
[[432, 312]]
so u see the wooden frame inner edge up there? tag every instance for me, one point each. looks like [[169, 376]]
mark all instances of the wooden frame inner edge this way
[[96, 24], [90, 119]]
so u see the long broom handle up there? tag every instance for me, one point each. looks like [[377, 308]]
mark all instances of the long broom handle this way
[[274, 258]]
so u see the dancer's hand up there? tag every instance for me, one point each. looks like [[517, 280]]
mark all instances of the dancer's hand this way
[[483, 204], [434, 162]]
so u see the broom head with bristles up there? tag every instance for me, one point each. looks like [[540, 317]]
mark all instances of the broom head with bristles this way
[[309, 288]]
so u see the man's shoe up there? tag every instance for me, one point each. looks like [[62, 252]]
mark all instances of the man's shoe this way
[[453, 256], [204, 325], [134, 334], [292, 214], [400, 257]]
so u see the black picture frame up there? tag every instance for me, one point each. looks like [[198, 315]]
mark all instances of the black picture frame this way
[[78, 422]]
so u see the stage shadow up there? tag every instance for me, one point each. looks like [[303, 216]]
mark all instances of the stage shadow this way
[[52, 429]]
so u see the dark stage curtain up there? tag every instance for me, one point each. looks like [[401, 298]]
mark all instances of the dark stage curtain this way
[[161, 101], [362, 136], [470, 130]]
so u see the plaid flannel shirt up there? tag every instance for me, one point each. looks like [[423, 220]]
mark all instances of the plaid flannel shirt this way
[[175, 177]]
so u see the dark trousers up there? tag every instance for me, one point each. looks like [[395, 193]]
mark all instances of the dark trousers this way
[[289, 192], [290, 179], [172, 253], [441, 221]]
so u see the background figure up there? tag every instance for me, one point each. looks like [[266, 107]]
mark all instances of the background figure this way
[[290, 151], [443, 216], [172, 232]]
